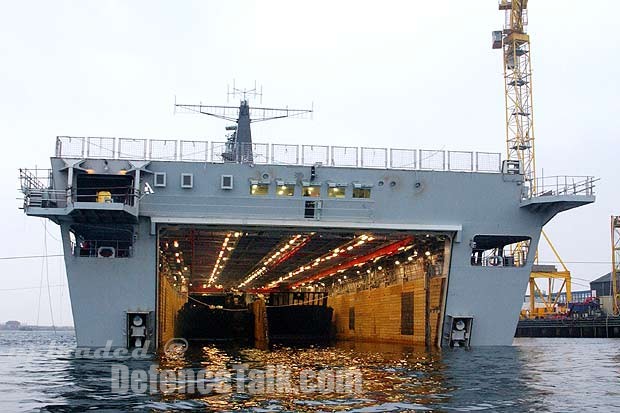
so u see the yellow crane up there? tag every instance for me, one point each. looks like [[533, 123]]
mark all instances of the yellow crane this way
[[514, 42]]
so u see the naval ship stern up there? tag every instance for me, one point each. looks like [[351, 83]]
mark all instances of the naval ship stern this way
[[401, 245]]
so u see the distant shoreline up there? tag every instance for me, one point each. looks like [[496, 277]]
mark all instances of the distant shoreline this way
[[39, 328]]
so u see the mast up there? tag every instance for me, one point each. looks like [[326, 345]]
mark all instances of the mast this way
[[239, 146]]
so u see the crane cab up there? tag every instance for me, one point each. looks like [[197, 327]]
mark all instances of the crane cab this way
[[497, 39]]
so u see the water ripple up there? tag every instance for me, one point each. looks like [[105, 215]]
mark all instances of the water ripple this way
[[40, 372]]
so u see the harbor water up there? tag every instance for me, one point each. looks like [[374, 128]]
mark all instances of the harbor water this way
[[40, 371]]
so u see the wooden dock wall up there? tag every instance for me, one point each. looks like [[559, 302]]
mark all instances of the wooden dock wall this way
[[407, 312], [170, 302]]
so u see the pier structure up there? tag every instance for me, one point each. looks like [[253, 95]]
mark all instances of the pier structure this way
[[593, 327]]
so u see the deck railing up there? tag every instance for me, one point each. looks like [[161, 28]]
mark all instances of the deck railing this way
[[560, 186], [282, 154], [35, 178]]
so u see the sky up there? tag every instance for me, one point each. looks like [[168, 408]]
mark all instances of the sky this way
[[404, 74]]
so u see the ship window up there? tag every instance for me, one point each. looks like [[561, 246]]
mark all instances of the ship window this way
[[286, 190], [160, 179], [336, 192], [226, 182], [499, 250], [259, 189], [361, 192], [187, 181], [313, 191]]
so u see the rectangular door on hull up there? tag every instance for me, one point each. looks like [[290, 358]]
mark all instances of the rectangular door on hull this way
[[406, 314]]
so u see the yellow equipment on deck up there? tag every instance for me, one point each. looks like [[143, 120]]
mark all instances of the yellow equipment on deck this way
[[104, 197]]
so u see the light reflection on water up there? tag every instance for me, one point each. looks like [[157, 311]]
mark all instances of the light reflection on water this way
[[563, 375]]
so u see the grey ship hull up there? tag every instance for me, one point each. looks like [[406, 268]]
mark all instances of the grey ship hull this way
[[457, 206]]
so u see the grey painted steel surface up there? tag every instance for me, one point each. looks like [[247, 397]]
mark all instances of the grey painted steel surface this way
[[461, 204], [103, 290]]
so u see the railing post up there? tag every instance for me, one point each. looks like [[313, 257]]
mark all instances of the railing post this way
[[58, 147]]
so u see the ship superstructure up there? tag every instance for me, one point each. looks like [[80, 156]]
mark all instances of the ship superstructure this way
[[401, 244]]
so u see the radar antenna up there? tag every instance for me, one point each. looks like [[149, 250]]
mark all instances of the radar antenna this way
[[239, 143]]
